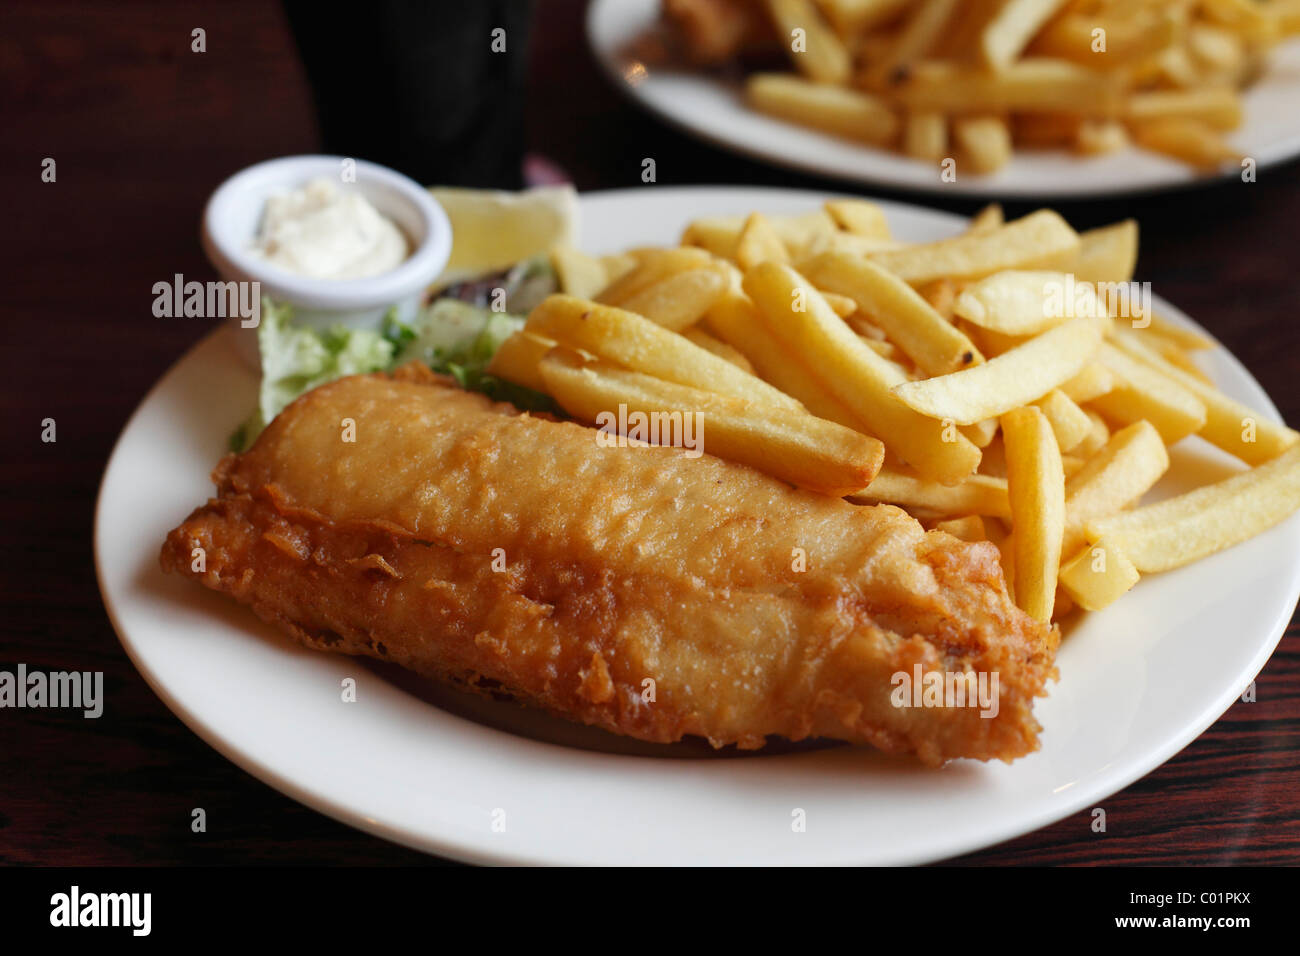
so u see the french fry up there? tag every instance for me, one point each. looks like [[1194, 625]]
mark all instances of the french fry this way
[[1177, 356], [1122, 40], [1229, 425], [578, 273], [910, 322], [984, 141], [1171, 67], [960, 40], [989, 342], [855, 374], [1096, 438], [733, 275], [1098, 576], [942, 295], [871, 48], [721, 234], [831, 109], [1214, 106], [986, 220], [758, 242], [717, 235], [968, 528], [1046, 130], [925, 135], [1011, 29], [617, 266], [1188, 339], [660, 261], [976, 494], [1192, 141], [1251, 66], [1286, 14], [1250, 18], [1113, 479], [1029, 86], [842, 305], [859, 217], [853, 17], [1095, 137], [1009, 380], [1142, 392], [880, 347], [1019, 302], [793, 446], [1036, 490], [517, 357], [735, 320], [994, 460], [721, 349], [651, 266], [637, 343], [920, 32], [981, 433], [1107, 254], [679, 300], [1093, 381], [1041, 240], [1217, 49], [1070, 423], [821, 57], [805, 229], [1188, 527], [866, 329], [844, 242]]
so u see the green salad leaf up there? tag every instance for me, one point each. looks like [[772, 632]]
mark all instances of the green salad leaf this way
[[459, 339], [452, 337], [295, 359]]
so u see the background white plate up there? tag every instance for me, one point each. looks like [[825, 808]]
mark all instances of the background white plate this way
[[712, 109], [428, 768]]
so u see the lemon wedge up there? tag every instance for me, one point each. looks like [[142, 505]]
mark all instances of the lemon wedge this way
[[492, 229]]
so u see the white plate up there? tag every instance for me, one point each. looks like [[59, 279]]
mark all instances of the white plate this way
[[712, 109], [428, 768]]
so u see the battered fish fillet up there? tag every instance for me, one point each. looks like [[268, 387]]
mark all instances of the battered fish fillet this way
[[635, 589]]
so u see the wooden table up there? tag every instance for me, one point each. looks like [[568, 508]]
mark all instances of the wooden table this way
[[142, 130]]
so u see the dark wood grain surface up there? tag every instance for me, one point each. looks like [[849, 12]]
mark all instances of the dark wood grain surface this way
[[142, 130]]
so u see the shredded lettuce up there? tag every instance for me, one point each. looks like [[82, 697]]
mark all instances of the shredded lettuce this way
[[453, 337], [296, 359], [459, 339]]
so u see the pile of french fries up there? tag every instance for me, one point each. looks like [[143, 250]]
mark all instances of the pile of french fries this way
[[945, 377], [970, 79]]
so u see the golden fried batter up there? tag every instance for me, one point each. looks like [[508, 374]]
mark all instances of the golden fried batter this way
[[632, 588]]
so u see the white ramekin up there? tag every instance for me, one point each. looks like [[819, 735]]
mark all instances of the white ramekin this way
[[234, 214]]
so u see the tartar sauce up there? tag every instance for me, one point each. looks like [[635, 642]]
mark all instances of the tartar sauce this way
[[324, 232]]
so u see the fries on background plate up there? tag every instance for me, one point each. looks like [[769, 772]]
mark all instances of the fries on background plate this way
[[974, 81]]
